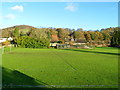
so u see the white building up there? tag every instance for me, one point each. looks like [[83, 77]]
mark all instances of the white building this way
[[5, 39], [10, 39]]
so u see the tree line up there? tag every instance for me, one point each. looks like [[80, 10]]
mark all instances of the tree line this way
[[42, 37]]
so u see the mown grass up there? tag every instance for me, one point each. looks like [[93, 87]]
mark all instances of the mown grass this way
[[64, 68]]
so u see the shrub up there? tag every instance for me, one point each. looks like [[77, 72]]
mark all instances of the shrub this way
[[5, 43], [28, 42]]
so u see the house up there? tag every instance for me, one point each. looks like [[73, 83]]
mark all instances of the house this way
[[5, 39], [10, 39], [79, 43], [53, 44]]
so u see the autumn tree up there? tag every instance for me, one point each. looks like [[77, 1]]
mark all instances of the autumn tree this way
[[106, 36], [62, 33], [87, 36], [79, 36], [92, 34], [53, 35]]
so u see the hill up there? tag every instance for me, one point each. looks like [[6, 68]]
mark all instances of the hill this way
[[6, 32]]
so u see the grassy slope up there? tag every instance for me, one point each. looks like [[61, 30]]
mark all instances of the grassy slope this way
[[66, 67]]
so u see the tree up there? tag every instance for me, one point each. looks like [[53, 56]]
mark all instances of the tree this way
[[96, 35], [92, 34], [22, 33], [6, 33], [38, 34], [41, 35], [106, 36], [16, 32], [62, 33], [79, 36], [80, 29], [54, 38], [115, 40], [100, 36], [87, 36]]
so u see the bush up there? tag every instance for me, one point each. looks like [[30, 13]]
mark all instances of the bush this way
[[6, 43], [60, 41], [28, 42]]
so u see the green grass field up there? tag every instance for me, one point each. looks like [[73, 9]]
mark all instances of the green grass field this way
[[88, 68]]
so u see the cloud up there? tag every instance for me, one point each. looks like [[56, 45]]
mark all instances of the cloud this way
[[18, 8], [71, 7], [10, 16]]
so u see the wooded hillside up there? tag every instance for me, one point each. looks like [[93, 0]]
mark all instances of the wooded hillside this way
[[108, 36]]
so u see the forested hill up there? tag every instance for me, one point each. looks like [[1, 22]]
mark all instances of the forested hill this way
[[103, 36], [20, 27], [6, 32]]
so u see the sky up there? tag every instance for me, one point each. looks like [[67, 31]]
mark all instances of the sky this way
[[86, 15]]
